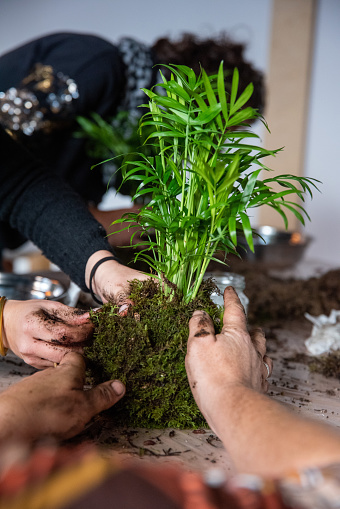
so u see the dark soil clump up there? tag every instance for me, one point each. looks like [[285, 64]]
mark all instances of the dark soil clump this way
[[277, 299], [328, 365], [146, 350]]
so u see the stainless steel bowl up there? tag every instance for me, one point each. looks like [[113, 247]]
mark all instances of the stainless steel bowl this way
[[25, 287], [275, 247]]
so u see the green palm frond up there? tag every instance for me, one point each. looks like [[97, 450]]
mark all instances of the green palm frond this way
[[203, 175]]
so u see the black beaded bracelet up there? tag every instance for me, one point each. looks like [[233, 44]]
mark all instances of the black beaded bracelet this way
[[93, 271]]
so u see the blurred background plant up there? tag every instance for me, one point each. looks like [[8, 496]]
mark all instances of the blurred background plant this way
[[112, 141]]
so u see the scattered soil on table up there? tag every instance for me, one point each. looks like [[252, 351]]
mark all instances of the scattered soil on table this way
[[277, 299], [272, 299], [328, 365]]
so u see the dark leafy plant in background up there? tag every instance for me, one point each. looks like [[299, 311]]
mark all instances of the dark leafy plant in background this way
[[115, 138], [112, 141], [203, 178]]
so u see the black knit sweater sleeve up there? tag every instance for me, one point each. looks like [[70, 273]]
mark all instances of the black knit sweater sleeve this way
[[47, 211]]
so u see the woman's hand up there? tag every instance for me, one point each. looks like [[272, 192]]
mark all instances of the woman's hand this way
[[41, 332], [111, 279], [217, 363], [53, 403]]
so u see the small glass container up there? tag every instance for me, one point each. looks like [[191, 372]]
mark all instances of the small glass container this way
[[224, 279]]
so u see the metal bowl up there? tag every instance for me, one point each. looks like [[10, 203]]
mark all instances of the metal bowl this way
[[22, 287], [275, 248]]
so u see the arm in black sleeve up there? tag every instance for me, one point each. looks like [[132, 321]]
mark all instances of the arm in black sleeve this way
[[47, 211]]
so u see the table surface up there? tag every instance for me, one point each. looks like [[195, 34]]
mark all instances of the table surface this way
[[292, 384]]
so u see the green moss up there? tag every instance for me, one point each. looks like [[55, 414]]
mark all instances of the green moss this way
[[146, 350]]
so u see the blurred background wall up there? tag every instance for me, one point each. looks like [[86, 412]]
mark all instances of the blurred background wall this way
[[264, 25]]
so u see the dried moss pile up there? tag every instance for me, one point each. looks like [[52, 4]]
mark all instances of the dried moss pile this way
[[146, 350]]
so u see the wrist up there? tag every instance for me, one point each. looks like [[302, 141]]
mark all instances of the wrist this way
[[9, 319], [96, 271], [225, 407], [3, 339]]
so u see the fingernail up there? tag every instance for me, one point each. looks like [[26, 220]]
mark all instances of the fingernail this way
[[96, 309], [197, 312], [123, 308], [118, 387]]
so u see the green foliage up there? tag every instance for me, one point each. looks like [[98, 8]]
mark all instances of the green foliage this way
[[115, 138], [204, 176], [113, 141], [146, 350]]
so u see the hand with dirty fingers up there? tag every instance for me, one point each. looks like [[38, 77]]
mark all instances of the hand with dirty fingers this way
[[41, 332], [216, 363], [53, 402], [228, 375]]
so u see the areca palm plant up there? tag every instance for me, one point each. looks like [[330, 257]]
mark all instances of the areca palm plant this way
[[205, 175]]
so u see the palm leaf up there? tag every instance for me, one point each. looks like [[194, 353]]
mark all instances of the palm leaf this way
[[201, 177]]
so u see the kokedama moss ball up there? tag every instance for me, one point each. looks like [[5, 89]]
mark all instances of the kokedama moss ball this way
[[146, 350]]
